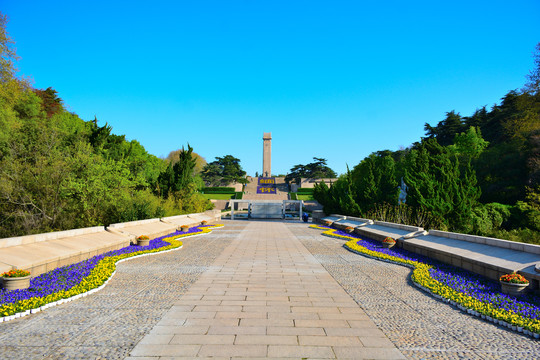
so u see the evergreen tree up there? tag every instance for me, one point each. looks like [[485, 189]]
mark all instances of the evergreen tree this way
[[183, 169], [223, 171], [314, 170], [435, 183]]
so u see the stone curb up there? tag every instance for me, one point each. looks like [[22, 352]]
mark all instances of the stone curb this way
[[453, 303], [89, 292]]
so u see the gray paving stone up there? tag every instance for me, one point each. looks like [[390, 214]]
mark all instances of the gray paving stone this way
[[108, 324], [420, 326], [254, 300]]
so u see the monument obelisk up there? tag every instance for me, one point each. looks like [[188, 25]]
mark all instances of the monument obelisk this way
[[267, 154]]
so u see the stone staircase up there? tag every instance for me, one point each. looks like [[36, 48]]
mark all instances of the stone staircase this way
[[250, 191]]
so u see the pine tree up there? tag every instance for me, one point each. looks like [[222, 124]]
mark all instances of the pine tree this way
[[437, 185]]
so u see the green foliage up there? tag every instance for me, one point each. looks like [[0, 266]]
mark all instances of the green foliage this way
[[223, 171], [305, 191], [375, 181], [533, 78], [338, 198], [446, 129], [489, 217], [469, 145], [315, 170], [437, 185], [200, 162], [293, 196], [214, 196], [60, 172], [406, 214], [218, 190]]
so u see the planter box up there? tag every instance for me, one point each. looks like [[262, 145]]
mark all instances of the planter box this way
[[513, 289], [143, 242], [16, 283]]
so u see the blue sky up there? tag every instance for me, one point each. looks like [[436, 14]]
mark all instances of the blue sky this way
[[331, 79]]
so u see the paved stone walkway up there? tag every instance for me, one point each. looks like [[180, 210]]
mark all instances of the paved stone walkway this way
[[109, 323], [266, 296], [258, 289], [421, 326]]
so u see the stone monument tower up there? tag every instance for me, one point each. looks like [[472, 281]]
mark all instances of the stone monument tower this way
[[267, 153]]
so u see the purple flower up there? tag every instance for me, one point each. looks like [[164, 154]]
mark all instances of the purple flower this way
[[66, 277]]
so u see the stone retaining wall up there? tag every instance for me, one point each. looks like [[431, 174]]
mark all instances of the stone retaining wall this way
[[506, 244], [41, 253], [486, 256]]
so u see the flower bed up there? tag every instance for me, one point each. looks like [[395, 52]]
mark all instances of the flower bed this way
[[73, 281], [470, 292], [266, 190]]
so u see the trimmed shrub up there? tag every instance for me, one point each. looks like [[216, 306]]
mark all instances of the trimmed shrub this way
[[218, 190]]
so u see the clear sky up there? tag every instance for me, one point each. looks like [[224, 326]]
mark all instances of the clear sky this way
[[332, 79]]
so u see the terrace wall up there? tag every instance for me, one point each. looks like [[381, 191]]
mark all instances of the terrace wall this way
[[488, 257], [41, 253]]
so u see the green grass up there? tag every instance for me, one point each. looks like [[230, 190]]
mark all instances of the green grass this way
[[218, 196], [305, 197]]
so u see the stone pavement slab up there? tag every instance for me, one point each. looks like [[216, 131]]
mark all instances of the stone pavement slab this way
[[266, 296], [419, 325]]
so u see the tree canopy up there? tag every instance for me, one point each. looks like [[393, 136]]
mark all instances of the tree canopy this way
[[223, 171], [60, 172], [314, 170], [478, 174]]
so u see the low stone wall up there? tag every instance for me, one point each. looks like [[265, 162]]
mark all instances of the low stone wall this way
[[220, 204], [505, 244], [152, 228], [380, 232], [44, 252], [488, 257], [35, 238], [399, 226], [316, 216]]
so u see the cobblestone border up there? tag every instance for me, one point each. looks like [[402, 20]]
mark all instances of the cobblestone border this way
[[205, 231], [329, 232], [453, 303]]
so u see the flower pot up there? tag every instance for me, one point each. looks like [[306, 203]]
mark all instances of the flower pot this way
[[388, 245], [513, 288], [16, 283], [349, 229], [143, 242], [184, 229]]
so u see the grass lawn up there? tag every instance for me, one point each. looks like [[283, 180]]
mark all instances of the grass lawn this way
[[218, 196], [305, 197]]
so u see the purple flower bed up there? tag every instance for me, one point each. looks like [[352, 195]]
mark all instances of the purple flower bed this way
[[266, 181], [66, 277], [476, 286], [266, 190]]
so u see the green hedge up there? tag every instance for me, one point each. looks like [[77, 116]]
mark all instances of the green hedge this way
[[305, 191], [293, 196], [239, 195], [218, 190]]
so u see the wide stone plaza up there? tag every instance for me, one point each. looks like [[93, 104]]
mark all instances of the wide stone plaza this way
[[259, 289]]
